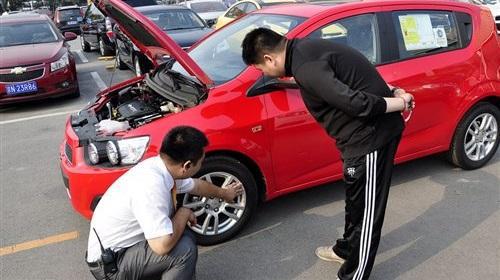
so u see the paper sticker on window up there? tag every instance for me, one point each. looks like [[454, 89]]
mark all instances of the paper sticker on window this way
[[440, 35], [418, 33]]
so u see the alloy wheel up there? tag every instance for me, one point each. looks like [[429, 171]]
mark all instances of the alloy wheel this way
[[215, 216], [481, 137]]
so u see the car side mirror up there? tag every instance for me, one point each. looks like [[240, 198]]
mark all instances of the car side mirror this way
[[266, 84], [70, 36]]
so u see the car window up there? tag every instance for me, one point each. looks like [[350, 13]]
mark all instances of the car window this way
[[425, 32], [236, 11], [69, 13], [175, 19], [250, 8], [359, 32], [209, 6], [219, 56], [138, 3], [27, 33]]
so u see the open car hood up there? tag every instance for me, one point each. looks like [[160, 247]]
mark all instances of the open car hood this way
[[149, 38]]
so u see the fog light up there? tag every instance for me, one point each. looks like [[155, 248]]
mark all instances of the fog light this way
[[96, 152], [65, 84], [113, 154]]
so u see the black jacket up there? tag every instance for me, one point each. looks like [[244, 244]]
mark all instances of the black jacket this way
[[344, 92]]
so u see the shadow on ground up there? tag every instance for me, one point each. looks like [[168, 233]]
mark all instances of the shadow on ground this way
[[279, 242]]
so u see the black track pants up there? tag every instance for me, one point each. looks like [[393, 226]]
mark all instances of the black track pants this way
[[367, 179]]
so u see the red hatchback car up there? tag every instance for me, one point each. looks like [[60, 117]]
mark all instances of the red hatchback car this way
[[445, 53], [35, 61]]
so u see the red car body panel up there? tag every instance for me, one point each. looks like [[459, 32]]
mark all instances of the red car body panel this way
[[274, 132], [36, 57]]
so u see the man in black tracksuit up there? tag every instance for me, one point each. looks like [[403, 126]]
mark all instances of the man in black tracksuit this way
[[344, 92]]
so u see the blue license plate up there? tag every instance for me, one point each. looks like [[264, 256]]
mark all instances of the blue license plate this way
[[21, 88]]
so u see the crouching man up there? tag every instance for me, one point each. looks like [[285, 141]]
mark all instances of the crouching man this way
[[136, 231]]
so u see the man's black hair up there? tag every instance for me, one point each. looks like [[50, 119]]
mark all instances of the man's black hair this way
[[184, 143], [258, 42]]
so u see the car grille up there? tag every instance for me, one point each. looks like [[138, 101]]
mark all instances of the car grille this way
[[27, 76], [68, 152]]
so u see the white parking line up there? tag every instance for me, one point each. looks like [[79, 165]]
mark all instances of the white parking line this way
[[37, 117], [100, 83], [82, 57]]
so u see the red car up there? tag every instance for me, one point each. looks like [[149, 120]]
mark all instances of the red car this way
[[35, 61], [445, 53]]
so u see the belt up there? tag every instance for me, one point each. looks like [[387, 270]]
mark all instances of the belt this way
[[95, 264]]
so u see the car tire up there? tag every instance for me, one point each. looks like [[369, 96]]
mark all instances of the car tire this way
[[121, 65], [84, 44], [137, 66], [75, 94], [103, 49], [477, 137], [219, 169]]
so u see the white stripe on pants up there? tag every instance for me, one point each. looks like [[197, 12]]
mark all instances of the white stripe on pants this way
[[367, 228]]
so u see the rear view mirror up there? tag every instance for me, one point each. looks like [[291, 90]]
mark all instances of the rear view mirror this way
[[70, 36], [266, 84]]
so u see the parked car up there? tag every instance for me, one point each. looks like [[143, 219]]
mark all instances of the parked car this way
[[181, 23], [269, 142], [44, 10], [244, 7], [68, 18], [208, 10], [46, 67], [97, 29]]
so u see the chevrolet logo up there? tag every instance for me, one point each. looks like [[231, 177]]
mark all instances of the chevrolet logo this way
[[18, 70]]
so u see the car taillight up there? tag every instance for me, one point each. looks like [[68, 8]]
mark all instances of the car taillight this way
[[111, 35]]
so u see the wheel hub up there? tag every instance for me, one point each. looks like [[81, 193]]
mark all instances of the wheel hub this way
[[214, 203]]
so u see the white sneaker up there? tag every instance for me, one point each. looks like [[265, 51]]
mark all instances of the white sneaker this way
[[326, 253]]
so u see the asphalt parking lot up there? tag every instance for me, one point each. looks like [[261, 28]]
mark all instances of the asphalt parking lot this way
[[441, 222]]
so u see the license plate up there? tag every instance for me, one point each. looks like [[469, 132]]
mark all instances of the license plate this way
[[72, 22], [21, 88]]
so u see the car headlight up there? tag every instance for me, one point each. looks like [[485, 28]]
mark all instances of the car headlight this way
[[126, 151], [60, 63], [97, 152]]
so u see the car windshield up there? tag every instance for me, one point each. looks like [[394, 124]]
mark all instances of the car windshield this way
[[175, 19], [69, 13], [219, 56], [209, 6], [14, 34]]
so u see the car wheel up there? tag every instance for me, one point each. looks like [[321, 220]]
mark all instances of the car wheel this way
[[217, 220], [103, 49], [85, 45], [75, 94], [476, 137], [137, 66], [119, 62]]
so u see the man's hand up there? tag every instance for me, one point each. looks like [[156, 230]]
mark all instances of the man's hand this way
[[232, 191], [187, 214], [408, 98]]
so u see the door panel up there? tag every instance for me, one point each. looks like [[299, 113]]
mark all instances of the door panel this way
[[302, 151]]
